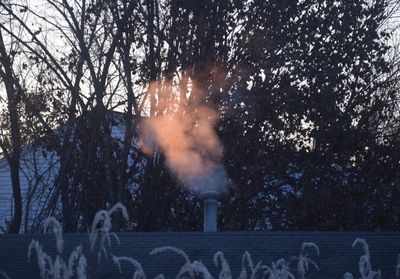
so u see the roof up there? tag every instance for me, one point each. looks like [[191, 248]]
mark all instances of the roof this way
[[336, 253]]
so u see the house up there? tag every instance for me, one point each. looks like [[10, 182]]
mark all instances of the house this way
[[336, 254], [38, 171]]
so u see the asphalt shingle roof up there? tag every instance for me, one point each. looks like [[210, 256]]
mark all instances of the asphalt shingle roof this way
[[336, 253]]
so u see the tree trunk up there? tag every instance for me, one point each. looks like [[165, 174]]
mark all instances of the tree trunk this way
[[15, 149]]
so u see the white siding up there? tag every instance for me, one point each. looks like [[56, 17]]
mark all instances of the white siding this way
[[37, 173]]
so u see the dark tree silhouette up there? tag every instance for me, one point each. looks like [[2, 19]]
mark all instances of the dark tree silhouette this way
[[306, 91]]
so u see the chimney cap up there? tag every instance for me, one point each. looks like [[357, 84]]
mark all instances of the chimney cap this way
[[206, 195]]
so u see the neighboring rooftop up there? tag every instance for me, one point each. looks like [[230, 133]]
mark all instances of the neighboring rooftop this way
[[336, 253]]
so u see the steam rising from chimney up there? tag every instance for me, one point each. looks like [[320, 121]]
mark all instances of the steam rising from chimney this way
[[192, 149]]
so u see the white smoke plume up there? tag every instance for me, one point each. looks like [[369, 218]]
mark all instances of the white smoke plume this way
[[192, 149]]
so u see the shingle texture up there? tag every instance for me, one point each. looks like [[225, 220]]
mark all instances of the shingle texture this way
[[336, 253]]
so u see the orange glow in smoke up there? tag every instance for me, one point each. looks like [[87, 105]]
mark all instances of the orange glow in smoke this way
[[189, 142]]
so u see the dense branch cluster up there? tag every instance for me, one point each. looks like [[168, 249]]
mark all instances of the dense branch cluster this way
[[306, 95]]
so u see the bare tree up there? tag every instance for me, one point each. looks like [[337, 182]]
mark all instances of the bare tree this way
[[12, 150]]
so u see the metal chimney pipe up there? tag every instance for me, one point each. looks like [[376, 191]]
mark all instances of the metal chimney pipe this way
[[210, 201]]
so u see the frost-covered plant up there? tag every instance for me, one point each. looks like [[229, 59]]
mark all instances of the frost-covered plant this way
[[304, 261], [55, 226], [398, 266], [188, 267], [364, 264], [138, 274], [199, 267], [78, 260], [225, 269], [280, 270], [58, 269], [45, 262], [102, 225], [5, 275], [254, 269]]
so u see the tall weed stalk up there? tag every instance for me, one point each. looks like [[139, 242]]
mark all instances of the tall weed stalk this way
[[364, 264], [58, 268], [101, 229]]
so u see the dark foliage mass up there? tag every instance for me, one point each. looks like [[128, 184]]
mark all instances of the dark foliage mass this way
[[306, 90]]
